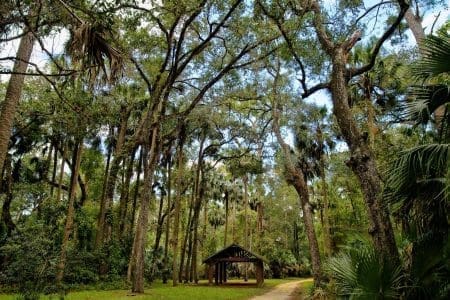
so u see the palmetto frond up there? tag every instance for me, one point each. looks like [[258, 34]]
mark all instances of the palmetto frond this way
[[426, 100], [433, 67], [363, 275], [418, 166], [435, 57]]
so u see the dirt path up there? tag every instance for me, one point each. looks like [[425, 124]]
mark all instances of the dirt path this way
[[283, 291]]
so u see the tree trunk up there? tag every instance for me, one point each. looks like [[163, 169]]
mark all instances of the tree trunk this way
[[169, 206], [196, 224], [260, 223], [105, 182], [225, 235], [70, 211], [104, 228], [54, 169], [328, 243], [298, 180], [136, 189], [176, 216], [61, 171], [137, 259], [245, 181], [186, 235], [159, 231], [188, 269], [199, 191], [125, 195], [308, 219], [415, 24], [6, 213], [233, 223], [362, 162], [13, 94]]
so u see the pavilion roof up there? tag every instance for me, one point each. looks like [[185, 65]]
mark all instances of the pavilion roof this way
[[234, 253]]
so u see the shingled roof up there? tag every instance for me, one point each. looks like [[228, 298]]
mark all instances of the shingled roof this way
[[234, 253]]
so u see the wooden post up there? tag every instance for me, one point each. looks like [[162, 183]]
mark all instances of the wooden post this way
[[216, 273], [220, 272], [224, 272], [210, 273]]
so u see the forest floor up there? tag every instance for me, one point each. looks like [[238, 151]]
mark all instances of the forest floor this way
[[233, 290], [294, 290]]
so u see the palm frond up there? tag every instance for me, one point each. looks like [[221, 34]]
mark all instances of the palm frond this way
[[435, 57], [343, 271], [88, 47], [426, 99], [416, 168], [363, 275], [414, 163]]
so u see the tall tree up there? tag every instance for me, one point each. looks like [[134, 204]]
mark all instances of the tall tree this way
[[297, 177], [14, 92]]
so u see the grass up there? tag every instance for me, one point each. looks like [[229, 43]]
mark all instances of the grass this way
[[167, 292]]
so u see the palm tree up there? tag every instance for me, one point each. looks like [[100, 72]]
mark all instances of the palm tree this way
[[418, 184]]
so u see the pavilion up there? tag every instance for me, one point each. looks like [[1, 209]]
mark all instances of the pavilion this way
[[218, 262]]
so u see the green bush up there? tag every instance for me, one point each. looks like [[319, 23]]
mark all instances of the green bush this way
[[30, 261]]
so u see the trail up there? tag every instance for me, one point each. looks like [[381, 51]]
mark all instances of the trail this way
[[283, 291]]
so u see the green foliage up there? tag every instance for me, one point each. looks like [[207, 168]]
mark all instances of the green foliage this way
[[31, 258], [360, 274], [435, 57]]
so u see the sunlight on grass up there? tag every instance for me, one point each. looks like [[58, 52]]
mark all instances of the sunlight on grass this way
[[167, 292]]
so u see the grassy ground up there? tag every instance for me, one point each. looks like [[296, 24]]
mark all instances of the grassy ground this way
[[166, 292]]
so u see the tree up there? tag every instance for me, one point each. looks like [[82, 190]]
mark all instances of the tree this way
[[297, 176], [13, 93]]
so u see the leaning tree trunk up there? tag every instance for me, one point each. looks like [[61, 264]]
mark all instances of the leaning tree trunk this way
[[298, 180], [13, 93], [70, 211], [362, 161], [301, 188]]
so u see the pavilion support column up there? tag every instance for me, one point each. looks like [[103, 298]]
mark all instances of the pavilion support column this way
[[210, 272], [216, 274], [220, 272], [224, 272]]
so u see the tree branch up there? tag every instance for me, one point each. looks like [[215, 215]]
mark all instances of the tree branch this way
[[357, 71]]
